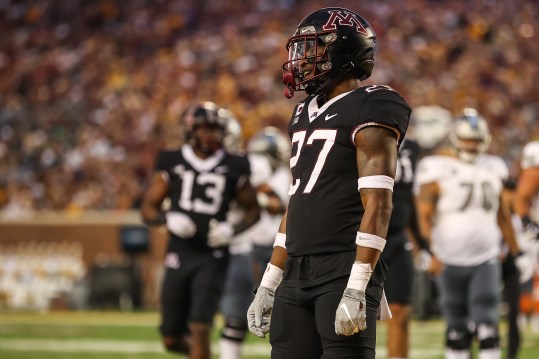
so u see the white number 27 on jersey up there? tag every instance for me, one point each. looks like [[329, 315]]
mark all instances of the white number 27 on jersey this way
[[326, 135]]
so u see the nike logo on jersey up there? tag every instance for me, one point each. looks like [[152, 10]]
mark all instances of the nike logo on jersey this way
[[329, 117]]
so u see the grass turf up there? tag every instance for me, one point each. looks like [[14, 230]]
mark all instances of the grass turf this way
[[113, 335]]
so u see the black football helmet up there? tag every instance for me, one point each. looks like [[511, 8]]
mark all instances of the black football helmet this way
[[204, 114], [329, 45]]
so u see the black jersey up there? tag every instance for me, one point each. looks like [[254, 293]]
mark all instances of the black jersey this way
[[403, 196], [202, 189], [325, 206]]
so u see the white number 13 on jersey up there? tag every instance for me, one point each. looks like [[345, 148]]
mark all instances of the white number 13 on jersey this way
[[329, 137]]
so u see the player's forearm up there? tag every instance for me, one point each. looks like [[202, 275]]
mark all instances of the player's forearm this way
[[375, 221], [152, 214], [522, 205], [508, 232], [378, 204], [426, 210], [252, 215], [280, 255]]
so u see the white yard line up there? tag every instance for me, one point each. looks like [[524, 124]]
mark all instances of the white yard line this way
[[130, 346]]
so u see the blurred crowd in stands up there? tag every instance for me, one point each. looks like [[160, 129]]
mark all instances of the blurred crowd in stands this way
[[33, 275], [89, 90]]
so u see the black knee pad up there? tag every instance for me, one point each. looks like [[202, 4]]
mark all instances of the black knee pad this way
[[458, 339], [487, 336], [234, 329]]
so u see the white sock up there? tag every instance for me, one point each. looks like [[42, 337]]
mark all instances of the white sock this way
[[493, 353], [229, 349], [457, 354]]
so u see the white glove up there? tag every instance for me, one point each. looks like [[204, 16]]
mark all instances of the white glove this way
[[220, 233], [181, 224], [259, 312], [423, 260], [351, 315], [525, 266]]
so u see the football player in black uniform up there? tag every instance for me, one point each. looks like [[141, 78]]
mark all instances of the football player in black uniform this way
[[324, 283], [200, 179], [398, 251]]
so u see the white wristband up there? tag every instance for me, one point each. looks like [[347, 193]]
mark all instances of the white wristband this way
[[280, 240], [359, 276], [370, 241], [272, 277], [379, 181]]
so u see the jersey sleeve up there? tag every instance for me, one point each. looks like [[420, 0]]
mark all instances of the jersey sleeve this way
[[530, 155], [429, 169], [386, 108], [280, 182], [163, 161], [502, 169], [260, 169]]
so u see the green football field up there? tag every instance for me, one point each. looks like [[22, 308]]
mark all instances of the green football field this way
[[112, 335]]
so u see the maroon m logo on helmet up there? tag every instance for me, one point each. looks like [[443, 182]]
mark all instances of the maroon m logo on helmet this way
[[348, 19]]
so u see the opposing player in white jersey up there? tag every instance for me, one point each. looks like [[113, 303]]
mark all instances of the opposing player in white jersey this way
[[527, 193], [461, 212], [271, 143], [267, 153]]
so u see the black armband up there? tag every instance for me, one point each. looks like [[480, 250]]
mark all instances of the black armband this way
[[160, 219]]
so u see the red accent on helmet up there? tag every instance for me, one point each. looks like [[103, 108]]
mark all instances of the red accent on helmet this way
[[288, 80]]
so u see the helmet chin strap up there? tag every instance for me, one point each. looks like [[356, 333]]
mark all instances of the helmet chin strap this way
[[326, 86]]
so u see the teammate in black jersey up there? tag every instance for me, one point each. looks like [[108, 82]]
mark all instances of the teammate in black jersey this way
[[200, 179], [398, 251], [327, 250]]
